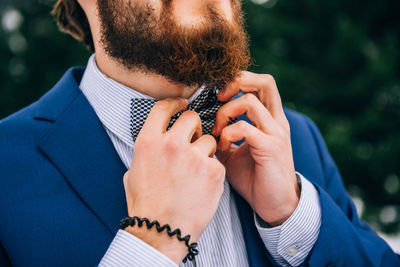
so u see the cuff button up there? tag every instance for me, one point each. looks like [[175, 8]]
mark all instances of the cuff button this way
[[292, 250]]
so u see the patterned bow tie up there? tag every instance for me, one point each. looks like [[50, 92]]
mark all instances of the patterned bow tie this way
[[206, 105]]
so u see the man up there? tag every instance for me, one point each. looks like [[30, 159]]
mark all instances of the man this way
[[106, 142]]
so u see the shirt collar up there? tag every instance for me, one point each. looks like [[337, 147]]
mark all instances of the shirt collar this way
[[111, 100]]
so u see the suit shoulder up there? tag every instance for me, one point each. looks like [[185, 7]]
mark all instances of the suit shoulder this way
[[18, 116], [306, 144], [31, 122], [298, 122], [21, 125], [303, 127]]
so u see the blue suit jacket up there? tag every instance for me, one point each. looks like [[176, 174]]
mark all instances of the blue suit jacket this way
[[62, 196]]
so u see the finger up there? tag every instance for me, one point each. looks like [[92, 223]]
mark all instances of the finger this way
[[262, 85], [206, 144], [238, 131], [247, 104], [187, 126], [161, 113]]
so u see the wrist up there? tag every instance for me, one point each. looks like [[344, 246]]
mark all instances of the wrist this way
[[282, 216], [168, 245], [278, 216]]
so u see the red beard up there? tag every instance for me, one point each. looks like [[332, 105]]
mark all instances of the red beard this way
[[212, 53]]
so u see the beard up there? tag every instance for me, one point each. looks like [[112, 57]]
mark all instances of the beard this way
[[212, 52]]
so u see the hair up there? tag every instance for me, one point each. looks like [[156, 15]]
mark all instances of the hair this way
[[72, 19]]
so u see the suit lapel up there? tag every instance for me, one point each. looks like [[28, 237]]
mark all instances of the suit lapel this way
[[81, 150], [257, 254], [79, 147]]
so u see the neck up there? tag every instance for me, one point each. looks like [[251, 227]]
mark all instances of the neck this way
[[151, 84]]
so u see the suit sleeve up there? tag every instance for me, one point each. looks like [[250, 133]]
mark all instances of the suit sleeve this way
[[290, 243], [3, 258], [344, 239]]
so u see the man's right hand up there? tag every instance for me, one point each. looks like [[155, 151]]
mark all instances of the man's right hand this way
[[173, 178]]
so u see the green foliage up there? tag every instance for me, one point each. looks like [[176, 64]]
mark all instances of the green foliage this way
[[336, 61]]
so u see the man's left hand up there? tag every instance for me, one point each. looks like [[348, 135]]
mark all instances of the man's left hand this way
[[261, 169]]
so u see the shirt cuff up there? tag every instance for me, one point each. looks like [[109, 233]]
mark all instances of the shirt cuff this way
[[290, 243], [128, 250]]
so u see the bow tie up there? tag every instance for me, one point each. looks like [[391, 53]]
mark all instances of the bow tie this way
[[206, 105]]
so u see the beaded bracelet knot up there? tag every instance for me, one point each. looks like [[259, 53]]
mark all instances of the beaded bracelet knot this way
[[131, 221]]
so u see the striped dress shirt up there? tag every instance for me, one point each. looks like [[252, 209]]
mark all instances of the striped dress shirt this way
[[222, 242]]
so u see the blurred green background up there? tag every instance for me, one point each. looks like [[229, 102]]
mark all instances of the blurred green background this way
[[336, 61]]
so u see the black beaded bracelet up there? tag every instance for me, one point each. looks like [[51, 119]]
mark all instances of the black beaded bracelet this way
[[131, 221]]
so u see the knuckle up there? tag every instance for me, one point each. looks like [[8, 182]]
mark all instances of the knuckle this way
[[208, 140], [190, 114], [269, 82], [211, 139], [217, 170], [172, 144], [221, 110], [221, 113], [268, 78], [225, 131], [242, 125], [200, 159], [250, 97], [143, 142], [162, 105]]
